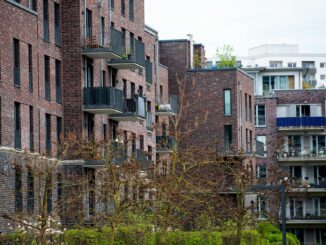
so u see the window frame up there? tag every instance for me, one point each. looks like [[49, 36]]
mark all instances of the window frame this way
[[225, 105], [257, 116]]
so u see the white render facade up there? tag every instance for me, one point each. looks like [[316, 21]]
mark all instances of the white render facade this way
[[287, 56]]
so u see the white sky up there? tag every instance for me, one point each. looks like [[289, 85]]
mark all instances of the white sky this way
[[241, 23]]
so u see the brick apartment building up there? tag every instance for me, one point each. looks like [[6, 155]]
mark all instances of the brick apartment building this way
[[87, 67], [225, 95], [290, 122]]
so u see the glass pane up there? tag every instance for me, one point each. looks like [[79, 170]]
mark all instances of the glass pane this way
[[227, 102]]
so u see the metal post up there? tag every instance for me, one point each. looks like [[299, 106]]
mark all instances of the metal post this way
[[283, 212]]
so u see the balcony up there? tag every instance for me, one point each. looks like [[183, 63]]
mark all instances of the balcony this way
[[164, 144], [101, 46], [133, 59], [302, 155], [103, 100], [144, 158], [300, 215], [133, 110], [295, 123], [149, 72], [167, 109]]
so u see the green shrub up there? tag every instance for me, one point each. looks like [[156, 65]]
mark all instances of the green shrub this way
[[193, 238]]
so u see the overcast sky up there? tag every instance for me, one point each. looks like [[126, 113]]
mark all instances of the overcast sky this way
[[241, 23]]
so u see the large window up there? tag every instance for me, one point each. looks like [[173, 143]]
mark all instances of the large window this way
[[227, 137], [17, 126], [16, 61], [88, 24], [260, 116], [261, 140], [57, 30], [18, 190], [277, 82], [46, 33], [123, 7], [227, 102], [131, 10], [261, 172], [31, 128], [30, 67], [47, 77], [58, 81]]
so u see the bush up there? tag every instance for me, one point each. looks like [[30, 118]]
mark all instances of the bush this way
[[193, 238]]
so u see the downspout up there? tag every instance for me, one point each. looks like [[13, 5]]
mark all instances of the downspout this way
[[191, 39]]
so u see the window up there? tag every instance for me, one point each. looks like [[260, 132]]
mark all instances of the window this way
[[132, 43], [322, 77], [141, 142], [30, 67], [59, 192], [102, 31], [303, 110], [17, 126], [124, 47], [48, 185], [47, 77], [322, 65], [248, 140], [123, 7], [88, 32], [308, 64], [164, 167], [16, 61], [133, 144], [103, 75], [89, 125], [131, 10], [58, 82], [46, 34], [275, 63], [59, 129], [150, 153], [292, 64], [31, 128], [250, 108], [32, 5], [105, 138], [261, 145], [48, 133], [132, 89], [246, 106], [18, 190], [30, 192], [0, 123], [227, 102], [261, 172], [227, 137], [124, 88], [112, 4], [260, 116], [57, 29]]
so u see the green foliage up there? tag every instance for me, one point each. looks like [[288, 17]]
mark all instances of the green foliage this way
[[226, 57], [249, 237], [193, 238]]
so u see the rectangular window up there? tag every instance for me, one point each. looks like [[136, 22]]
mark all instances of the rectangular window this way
[[227, 102], [59, 129], [322, 65], [141, 142], [59, 193], [131, 10], [123, 7], [275, 63], [150, 153], [30, 67], [133, 144], [102, 31], [16, 61], [18, 190], [132, 43], [112, 4], [58, 81], [227, 137], [261, 141], [17, 126], [250, 109], [260, 116], [48, 133], [31, 128], [89, 125], [246, 107], [132, 89], [103, 78], [88, 32], [104, 132], [261, 172], [46, 34], [124, 47], [322, 77], [47, 77], [124, 88], [164, 167], [48, 185], [0, 123], [57, 30], [30, 192], [292, 64]]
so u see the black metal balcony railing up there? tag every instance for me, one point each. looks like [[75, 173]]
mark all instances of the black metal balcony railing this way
[[309, 182], [18, 142], [149, 72], [104, 45], [108, 100], [57, 36], [133, 110], [30, 81], [133, 59], [301, 122], [17, 76], [307, 214], [149, 121], [46, 31], [164, 143], [167, 109]]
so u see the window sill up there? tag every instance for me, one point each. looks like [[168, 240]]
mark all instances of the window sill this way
[[260, 126], [16, 86], [22, 7]]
